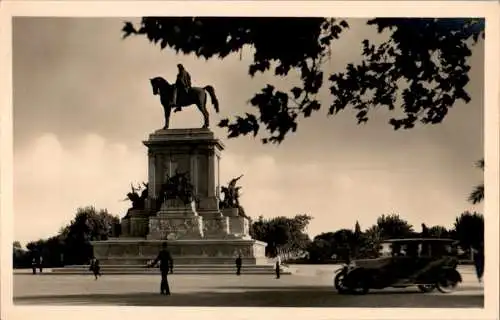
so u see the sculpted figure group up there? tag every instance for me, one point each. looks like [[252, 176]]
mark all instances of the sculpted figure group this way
[[138, 201], [179, 187], [232, 196]]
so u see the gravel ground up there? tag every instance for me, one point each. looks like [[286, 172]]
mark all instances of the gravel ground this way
[[310, 287]]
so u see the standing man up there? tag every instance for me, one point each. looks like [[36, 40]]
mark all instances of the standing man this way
[[40, 264], [166, 264], [182, 86], [278, 266], [238, 265], [33, 265], [479, 262]]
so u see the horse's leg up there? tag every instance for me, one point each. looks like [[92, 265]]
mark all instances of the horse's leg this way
[[202, 106], [167, 109]]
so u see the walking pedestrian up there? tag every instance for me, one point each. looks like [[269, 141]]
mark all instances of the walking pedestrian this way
[[33, 265], [166, 264], [479, 262], [238, 265], [95, 267]]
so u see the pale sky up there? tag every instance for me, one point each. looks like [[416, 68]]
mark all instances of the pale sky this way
[[83, 105]]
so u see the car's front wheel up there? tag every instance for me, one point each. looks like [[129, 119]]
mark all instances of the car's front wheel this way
[[339, 283]]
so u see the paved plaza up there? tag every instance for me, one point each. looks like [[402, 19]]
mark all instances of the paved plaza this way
[[310, 287]]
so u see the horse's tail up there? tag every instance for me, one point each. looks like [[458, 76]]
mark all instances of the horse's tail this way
[[213, 97]]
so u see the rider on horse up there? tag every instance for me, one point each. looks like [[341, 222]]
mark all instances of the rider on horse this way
[[182, 85]]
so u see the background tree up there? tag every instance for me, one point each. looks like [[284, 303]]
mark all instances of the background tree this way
[[373, 236], [88, 225], [258, 229], [469, 230], [425, 231], [477, 194], [72, 243], [17, 245], [320, 250], [421, 69], [344, 244], [359, 242], [393, 226], [438, 232], [283, 235], [20, 256]]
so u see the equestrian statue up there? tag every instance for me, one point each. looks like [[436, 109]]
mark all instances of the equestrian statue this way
[[182, 94]]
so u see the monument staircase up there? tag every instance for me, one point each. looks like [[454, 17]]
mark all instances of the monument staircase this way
[[199, 269]]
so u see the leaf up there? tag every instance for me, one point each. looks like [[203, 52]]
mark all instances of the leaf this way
[[128, 29], [374, 82], [310, 107], [223, 123], [296, 91]]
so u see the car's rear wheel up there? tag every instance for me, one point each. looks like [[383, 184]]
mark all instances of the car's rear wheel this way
[[446, 285], [426, 287]]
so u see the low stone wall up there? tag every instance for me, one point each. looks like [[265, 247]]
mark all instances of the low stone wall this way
[[140, 251]]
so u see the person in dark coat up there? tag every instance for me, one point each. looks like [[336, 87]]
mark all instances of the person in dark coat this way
[[166, 264], [95, 267], [33, 265], [479, 262], [40, 264], [277, 267], [182, 85], [238, 265]]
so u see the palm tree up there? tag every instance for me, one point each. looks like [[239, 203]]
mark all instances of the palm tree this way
[[477, 194]]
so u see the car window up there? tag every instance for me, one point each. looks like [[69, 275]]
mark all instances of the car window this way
[[385, 250]]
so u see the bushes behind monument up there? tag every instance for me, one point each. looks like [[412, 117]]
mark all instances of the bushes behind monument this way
[[72, 243]]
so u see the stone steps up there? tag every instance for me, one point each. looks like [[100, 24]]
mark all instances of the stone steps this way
[[179, 269]]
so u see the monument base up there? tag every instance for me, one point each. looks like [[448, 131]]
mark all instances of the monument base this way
[[135, 223], [184, 252]]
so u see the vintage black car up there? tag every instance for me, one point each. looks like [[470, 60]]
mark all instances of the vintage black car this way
[[428, 264]]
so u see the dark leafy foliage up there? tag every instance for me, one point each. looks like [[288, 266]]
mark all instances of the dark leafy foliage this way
[[469, 230], [477, 194], [72, 244], [345, 243], [424, 61], [282, 234], [439, 232], [393, 226]]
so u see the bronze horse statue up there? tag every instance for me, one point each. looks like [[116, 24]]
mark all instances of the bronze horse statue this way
[[195, 95]]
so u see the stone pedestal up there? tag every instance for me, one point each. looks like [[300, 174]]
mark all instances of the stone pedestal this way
[[239, 226], [193, 150], [176, 221], [216, 226], [198, 152], [135, 224]]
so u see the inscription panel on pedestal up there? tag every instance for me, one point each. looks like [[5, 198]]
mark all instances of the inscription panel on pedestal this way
[[215, 227], [203, 175]]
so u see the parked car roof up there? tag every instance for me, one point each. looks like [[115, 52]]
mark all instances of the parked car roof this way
[[419, 239]]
